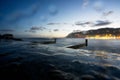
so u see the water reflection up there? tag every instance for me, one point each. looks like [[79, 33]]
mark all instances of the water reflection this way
[[57, 60]]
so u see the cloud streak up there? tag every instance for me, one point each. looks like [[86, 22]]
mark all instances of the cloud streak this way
[[105, 14], [34, 29], [55, 30], [84, 24], [6, 30], [53, 23], [102, 23], [94, 23]]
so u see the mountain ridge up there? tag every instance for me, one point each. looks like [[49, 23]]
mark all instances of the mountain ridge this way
[[100, 32]]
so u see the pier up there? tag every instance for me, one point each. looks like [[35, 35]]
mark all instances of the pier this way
[[79, 45], [49, 42]]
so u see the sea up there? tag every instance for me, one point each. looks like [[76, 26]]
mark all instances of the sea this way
[[31, 60]]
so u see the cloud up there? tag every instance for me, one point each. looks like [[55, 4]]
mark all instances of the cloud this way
[[84, 24], [94, 23], [34, 29], [102, 23], [6, 30], [85, 3], [53, 10], [105, 14], [53, 23], [56, 30], [37, 28]]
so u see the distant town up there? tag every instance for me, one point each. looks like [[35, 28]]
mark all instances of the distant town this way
[[102, 33]]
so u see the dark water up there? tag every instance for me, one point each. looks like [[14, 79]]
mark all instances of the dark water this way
[[25, 60], [104, 45]]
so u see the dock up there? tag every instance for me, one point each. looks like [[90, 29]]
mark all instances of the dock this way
[[79, 45], [49, 42]]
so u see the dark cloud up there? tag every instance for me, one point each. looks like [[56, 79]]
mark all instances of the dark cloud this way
[[94, 23], [58, 24], [105, 14], [102, 23], [84, 24], [56, 30], [53, 23], [6, 30], [35, 29]]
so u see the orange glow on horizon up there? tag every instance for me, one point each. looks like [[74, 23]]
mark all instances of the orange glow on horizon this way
[[106, 36]]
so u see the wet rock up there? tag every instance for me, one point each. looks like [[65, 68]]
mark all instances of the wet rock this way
[[7, 36], [60, 75], [4, 54], [114, 78], [101, 76], [114, 71], [10, 60], [87, 77]]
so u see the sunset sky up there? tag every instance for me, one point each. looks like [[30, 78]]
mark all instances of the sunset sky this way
[[56, 18]]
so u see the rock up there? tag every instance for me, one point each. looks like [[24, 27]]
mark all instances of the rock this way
[[7, 36], [101, 76], [87, 77], [60, 75]]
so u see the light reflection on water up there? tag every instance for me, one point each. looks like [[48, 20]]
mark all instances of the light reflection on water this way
[[104, 45]]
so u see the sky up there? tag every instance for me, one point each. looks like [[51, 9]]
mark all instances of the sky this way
[[56, 18]]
